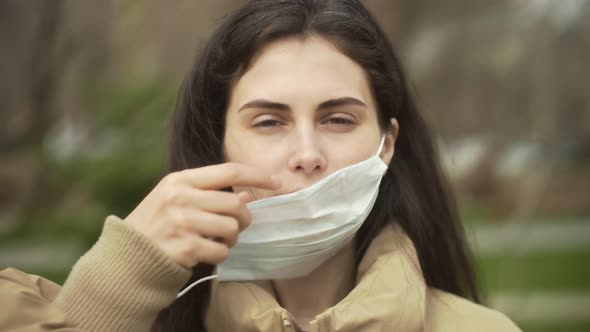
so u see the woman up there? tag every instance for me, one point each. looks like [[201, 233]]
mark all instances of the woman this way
[[303, 104]]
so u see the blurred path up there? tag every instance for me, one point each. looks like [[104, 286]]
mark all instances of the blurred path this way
[[529, 237], [511, 244]]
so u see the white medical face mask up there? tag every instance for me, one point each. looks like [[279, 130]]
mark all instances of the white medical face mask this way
[[291, 235]]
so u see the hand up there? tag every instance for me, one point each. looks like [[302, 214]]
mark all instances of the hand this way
[[190, 219]]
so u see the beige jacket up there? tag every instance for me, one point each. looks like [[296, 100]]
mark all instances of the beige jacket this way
[[125, 280]]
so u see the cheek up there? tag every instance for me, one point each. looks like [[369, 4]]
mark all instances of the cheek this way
[[243, 147], [249, 154]]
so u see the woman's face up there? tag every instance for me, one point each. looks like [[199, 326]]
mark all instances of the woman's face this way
[[302, 111]]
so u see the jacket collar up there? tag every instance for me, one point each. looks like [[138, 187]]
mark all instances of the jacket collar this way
[[389, 295]]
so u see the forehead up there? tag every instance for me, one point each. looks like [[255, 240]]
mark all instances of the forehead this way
[[311, 68]]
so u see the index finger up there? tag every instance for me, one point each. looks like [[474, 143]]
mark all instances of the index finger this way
[[227, 175]]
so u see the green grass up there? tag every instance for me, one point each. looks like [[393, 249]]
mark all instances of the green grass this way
[[557, 327], [536, 271]]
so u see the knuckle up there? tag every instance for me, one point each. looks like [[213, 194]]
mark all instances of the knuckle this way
[[171, 178], [188, 251], [171, 196], [167, 233], [175, 217]]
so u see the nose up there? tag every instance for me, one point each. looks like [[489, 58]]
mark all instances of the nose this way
[[307, 156]]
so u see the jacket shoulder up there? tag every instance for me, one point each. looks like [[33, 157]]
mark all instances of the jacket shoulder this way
[[14, 281], [448, 312], [27, 302]]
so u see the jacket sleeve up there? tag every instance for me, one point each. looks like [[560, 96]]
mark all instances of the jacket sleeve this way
[[120, 284]]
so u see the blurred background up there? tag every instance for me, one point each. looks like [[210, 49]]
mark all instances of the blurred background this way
[[87, 87]]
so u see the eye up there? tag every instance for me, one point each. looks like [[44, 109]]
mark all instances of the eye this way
[[268, 123], [339, 121]]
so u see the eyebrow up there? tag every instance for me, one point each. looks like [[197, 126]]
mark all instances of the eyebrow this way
[[263, 103]]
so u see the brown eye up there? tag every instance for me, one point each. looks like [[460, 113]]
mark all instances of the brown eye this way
[[268, 123], [339, 121]]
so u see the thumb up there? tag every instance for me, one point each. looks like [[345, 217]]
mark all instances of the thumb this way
[[245, 197]]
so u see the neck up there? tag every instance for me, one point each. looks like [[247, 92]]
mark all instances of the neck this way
[[307, 296]]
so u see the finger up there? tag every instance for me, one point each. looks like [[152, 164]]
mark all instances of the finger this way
[[214, 226], [228, 175], [208, 251], [245, 197], [217, 202]]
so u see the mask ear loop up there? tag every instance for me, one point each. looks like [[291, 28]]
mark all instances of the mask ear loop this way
[[188, 288], [381, 144]]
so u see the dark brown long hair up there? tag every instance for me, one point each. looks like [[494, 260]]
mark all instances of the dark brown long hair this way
[[414, 191]]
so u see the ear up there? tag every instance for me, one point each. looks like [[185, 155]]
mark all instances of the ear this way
[[389, 144]]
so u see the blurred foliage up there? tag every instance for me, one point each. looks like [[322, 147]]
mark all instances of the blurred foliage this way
[[111, 173]]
